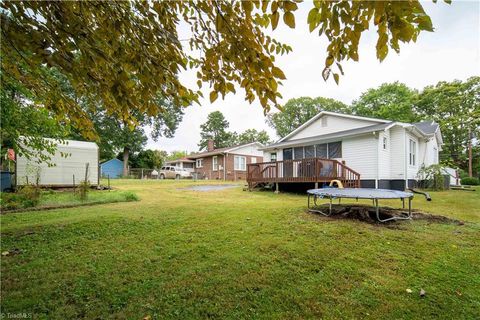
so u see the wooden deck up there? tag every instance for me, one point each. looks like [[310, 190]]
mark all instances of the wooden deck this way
[[301, 171]]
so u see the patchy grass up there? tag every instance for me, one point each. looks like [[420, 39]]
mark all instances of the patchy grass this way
[[12, 201], [235, 254]]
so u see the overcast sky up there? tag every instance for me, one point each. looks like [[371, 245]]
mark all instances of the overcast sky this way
[[451, 52]]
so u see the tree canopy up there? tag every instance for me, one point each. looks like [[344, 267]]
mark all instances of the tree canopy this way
[[455, 106], [124, 54], [391, 101], [253, 135], [297, 111], [215, 128]]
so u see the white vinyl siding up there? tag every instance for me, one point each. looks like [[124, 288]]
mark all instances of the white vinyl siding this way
[[360, 154], [397, 153], [384, 158], [240, 163], [214, 163]]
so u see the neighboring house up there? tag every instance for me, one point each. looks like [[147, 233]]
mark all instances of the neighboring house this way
[[112, 168], [360, 151], [226, 163], [67, 166], [184, 163]]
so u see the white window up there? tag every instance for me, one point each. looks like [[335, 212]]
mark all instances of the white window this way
[[199, 163], [240, 163], [273, 156], [254, 160], [412, 152], [215, 163], [384, 143]]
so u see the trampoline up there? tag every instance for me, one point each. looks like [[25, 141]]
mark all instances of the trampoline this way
[[360, 193]]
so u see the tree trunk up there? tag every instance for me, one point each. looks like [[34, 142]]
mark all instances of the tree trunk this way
[[126, 153]]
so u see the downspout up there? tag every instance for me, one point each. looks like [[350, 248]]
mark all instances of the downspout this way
[[405, 157], [377, 136]]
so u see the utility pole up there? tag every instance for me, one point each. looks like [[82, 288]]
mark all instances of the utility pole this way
[[470, 174]]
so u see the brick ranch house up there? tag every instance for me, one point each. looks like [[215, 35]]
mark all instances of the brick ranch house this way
[[228, 163]]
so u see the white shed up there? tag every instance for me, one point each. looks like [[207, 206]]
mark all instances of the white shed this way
[[67, 165]]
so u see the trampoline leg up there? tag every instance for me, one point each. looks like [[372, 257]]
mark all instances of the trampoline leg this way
[[330, 207], [377, 211], [409, 208], [403, 203]]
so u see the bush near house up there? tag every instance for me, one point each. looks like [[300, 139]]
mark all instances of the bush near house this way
[[470, 181]]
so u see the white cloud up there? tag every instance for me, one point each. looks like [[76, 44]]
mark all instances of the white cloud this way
[[451, 52]]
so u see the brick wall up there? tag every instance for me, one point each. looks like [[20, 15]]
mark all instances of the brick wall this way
[[230, 174]]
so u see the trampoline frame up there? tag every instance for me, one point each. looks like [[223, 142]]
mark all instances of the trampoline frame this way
[[375, 203]]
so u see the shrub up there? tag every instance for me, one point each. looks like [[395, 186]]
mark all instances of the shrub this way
[[432, 176], [470, 181], [130, 196], [29, 196], [83, 189]]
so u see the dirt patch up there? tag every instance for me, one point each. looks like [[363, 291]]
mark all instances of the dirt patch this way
[[367, 214]]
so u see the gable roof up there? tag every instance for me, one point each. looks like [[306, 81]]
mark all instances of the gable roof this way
[[184, 159], [427, 127], [113, 159], [333, 135], [322, 113], [222, 150]]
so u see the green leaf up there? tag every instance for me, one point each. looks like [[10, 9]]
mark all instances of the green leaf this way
[[278, 73], [336, 77], [289, 19], [275, 18], [213, 96]]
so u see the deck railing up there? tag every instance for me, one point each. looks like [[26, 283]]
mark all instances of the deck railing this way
[[302, 170]]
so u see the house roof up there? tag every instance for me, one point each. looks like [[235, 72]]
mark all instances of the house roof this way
[[184, 159], [427, 127], [333, 135], [222, 150], [318, 115]]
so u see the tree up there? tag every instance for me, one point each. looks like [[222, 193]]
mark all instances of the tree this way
[[25, 124], [126, 53], [456, 107], [177, 154], [215, 128], [297, 111], [391, 101], [252, 135], [115, 134]]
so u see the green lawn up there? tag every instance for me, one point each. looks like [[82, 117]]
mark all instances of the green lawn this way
[[234, 254]]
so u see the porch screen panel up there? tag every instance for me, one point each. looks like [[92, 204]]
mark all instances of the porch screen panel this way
[[321, 151], [298, 153], [309, 152], [335, 150]]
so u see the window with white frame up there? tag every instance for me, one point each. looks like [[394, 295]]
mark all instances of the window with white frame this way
[[240, 163], [254, 160], [412, 152], [384, 143], [273, 156], [214, 163], [199, 163]]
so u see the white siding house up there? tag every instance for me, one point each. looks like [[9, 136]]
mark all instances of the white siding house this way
[[65, 166], [385, 153]]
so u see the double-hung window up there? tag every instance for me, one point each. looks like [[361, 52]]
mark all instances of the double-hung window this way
[[412, 152], [199, 163], [240, 163], [214, 163]]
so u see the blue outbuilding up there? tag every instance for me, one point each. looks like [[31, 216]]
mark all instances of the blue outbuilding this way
[[112, 168]]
